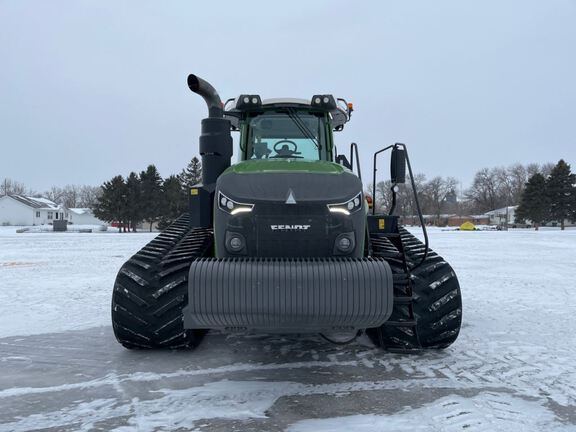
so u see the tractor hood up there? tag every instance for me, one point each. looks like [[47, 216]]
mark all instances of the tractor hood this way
[[309, 181], [286, 165]]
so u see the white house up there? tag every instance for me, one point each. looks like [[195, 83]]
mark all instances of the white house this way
[[505, 216], [83, 216], [26, 211]]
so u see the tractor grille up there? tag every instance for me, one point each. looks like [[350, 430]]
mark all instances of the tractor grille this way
[[301, 230]]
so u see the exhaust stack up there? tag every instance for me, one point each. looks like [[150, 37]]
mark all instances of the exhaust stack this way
[[215, 149], [208, 93]]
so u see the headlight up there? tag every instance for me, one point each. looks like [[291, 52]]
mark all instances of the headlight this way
[[232, 207], [347, 207]]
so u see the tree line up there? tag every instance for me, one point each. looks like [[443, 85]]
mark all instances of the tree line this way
[[549, 198], [146, 197], [491, 188]]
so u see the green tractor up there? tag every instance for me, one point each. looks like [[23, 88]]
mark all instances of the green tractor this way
[[285, 241]]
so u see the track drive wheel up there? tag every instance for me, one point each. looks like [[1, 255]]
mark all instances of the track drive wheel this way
[[427, 311], [152, 288]]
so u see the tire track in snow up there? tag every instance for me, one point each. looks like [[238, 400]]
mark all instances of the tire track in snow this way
[[115, 379], [485, 412], [173, 409], [525, 369]]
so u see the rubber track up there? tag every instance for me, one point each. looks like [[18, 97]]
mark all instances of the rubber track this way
[[152, 288], [427, 310]]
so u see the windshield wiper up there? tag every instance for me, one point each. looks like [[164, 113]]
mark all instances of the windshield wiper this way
[[303, 127]]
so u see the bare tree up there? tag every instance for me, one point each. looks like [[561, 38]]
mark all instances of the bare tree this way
[[12, 187], [73, 196], [531, 169], [484, 191], [54, 194], [406, 201], [88, 196], [546, 169], [436, 192], [70, 196], [518, 175], [504, 185], [383, 201]]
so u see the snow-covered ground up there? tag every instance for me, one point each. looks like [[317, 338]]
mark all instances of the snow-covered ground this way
[[513, 367], [52, 282]]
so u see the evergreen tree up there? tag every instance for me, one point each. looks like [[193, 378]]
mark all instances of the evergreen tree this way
[[191, 175], [562, 193], [174, 201], [534, 203], [133, 210], [111, 205], [151, 189]]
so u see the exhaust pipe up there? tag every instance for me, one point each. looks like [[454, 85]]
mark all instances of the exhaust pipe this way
[[208, 93], [215, 150]]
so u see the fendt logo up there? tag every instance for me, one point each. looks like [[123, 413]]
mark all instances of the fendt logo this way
[[289, 227]]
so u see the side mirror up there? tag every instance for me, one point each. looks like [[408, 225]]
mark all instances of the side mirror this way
[[398, 165]]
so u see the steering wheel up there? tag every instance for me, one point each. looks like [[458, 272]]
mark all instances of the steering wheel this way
[[285, 151]]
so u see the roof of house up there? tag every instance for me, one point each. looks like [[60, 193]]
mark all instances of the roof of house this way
[[37, 203], [500, 211], [80, 211]]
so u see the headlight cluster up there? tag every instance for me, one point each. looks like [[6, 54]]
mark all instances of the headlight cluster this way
[[232, 207], [347, 207]]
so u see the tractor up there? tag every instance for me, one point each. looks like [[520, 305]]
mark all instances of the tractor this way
[[286, 241]]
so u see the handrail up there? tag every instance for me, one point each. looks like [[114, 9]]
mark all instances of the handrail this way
[[354, 150], [418, 209]]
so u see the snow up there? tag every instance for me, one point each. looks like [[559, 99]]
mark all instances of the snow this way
[[487, 411], [512, 368], [79, 210], [53, 282]]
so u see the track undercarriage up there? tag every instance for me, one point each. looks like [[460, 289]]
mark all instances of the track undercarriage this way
[[151, 291]]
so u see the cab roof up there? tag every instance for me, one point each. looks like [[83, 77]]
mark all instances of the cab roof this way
[[339, 113]]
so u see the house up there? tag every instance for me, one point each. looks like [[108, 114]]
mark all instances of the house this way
[[505, 216], [83, 216], [23, 210]]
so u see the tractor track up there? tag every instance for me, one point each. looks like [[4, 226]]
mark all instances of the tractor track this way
[[427, 310], [151, 289]]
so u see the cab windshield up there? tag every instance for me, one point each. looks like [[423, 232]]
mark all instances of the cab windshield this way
[[286, 135]]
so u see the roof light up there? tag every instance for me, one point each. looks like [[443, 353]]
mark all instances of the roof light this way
[[324, 101], [248, 101]]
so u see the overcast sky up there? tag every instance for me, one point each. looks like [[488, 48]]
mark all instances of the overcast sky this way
[[91, 89]]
